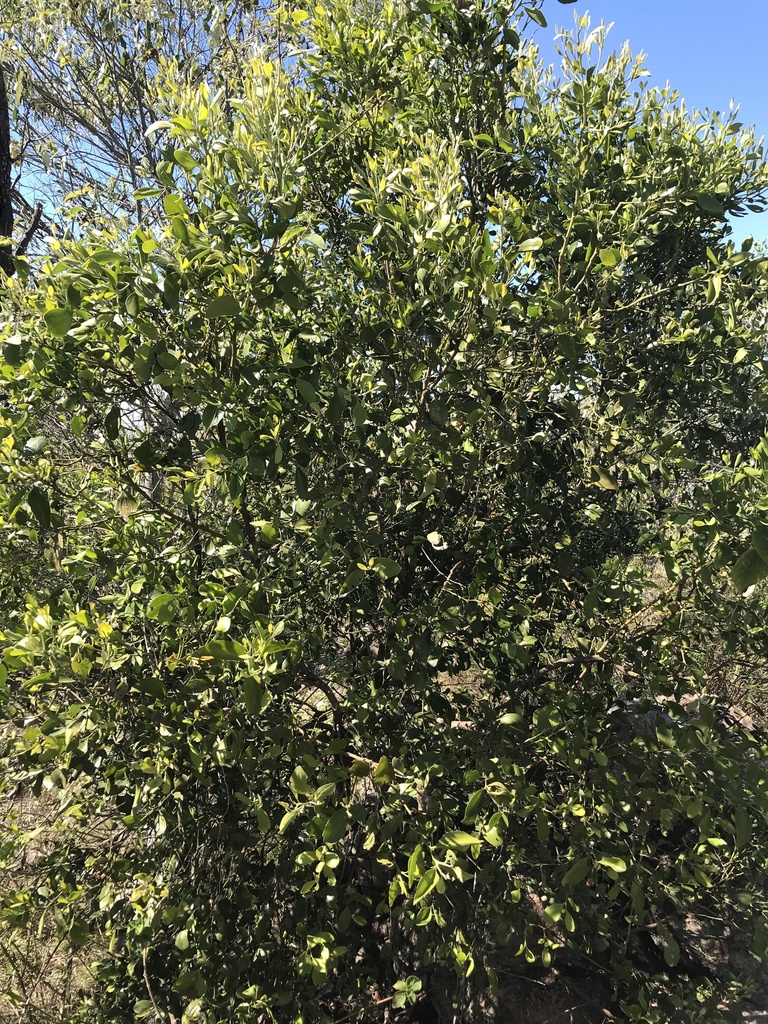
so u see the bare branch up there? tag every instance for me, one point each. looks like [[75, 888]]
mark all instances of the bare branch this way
[[21, 248]]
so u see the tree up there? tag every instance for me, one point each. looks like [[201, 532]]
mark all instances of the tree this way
[[7, 251], [87, 82], [368, 571]]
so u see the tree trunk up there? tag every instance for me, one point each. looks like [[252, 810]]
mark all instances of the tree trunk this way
[[6, 209]]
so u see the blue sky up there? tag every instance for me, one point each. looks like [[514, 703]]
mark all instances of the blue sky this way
[[709, 50]]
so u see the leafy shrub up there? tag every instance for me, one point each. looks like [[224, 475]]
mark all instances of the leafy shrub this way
[[380, 481]]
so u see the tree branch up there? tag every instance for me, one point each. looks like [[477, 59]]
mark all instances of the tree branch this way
[[21, 248]]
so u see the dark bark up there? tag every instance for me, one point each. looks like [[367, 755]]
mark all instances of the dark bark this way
[[7, 253], [6, 208], [34, 224]]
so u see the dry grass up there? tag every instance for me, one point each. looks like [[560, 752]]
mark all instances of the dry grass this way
[[42, 977]]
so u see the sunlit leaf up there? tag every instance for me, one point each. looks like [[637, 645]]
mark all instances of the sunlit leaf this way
[[221, 650], [459, 840], [58, 321], [383, 773], [617, 864]]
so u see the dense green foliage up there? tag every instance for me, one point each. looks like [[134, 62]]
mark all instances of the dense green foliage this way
[[368, 512]]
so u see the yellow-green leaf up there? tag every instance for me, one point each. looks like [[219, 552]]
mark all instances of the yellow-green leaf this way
[[426, 885], [384, 773], [617, 864], [459, 840], [299, 782], [603, 478], [221, 650], [58, 321]]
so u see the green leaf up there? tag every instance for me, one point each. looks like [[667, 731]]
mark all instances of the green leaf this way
[[553, 912], [148, 329], [386, 568], [79, 932], [174, 205], [512, 718], [610, 257], [536, 16], [299, 783], [743, 824], [180, 230], [12, 354], [748, 570], [107, 256], [760, 540], [268, 533], [671, 947], [530, 245], [112, 423], [37, 444], [710, 203], [221, 650], [184, 159], [459, 840], [253, 694], [190, 983], [617, 864], [146, 455], [353, 580], [306, 390], [384, 773], [41, 509], [168, 360], [288, 817], [58, 321], [443, 223], [426, 884], [415, 864], [222, 305], [474, 804], [577, 872], [603, 478], [542, 826], [163, 608], [182, 940], [336, 826]]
